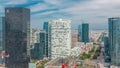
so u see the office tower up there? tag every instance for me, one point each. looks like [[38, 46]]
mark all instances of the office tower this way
[[17, 37], [106, 48], [114, 39], [85, 32], [35, 52], [74, 34], [59, 38], [79, 33], [45, 27], [42, 44], [2, 29]]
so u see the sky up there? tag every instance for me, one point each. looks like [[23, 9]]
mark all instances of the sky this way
[[94, 12]]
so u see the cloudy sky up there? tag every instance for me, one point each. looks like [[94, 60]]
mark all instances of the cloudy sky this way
[[94, 12]]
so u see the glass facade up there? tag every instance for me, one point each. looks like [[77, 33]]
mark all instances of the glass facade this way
[[2, 21], [114, 39], [107, 49], [85, 32], [42, 44], [17, 37], [79, 32], [45, 27]]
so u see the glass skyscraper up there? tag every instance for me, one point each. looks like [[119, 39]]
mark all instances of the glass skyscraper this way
[[2, 22], [43, 44], [85, 32], [106, 48], [17, 37], [45, 27], [79, 32], [114, 40]]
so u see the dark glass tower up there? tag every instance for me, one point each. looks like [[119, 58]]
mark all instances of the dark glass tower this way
[[79, 33], [107, 49], [45, 27], [42, 44], [2, 29], [85, 32], [114, 40], [17, 34]]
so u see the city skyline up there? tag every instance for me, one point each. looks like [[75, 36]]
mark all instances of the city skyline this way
[[94, 12]]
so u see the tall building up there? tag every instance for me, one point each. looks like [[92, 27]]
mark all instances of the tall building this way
[[2, 29], [85, 32], [42, 44], [59, 38], [17, 37], [45, 27], [114, 39], [106, 48], [79, 33]]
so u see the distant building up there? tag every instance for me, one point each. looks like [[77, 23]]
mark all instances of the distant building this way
[[79, 33], [59, 38], [114, 39], [43, 44], [34, 37], [17, 37], [2, 29], [85, 32], [45, 27], [106, 49], [74, 34], [35, 52]]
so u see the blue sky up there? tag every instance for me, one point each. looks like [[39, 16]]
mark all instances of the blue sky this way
[[94, 12]]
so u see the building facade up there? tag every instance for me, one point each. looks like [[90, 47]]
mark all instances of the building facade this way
[[17, 37], [45, 27], [34, 37], [43, 46], [79, 33], [2, 29], [74, 35], [85, 32], [59, 38], [114, 40]]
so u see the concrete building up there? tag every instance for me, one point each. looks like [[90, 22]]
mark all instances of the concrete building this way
[[34, 37], [85, 33], [2, 30], [114, 39], [59, 38], [17, 37]]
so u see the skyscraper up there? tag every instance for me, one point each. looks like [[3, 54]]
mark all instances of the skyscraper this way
[[17, 37], [85, 32], [114, 40], [45, 27], [2, 29], [79, 33], [59, 38], [106, 48], [42, 44]]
